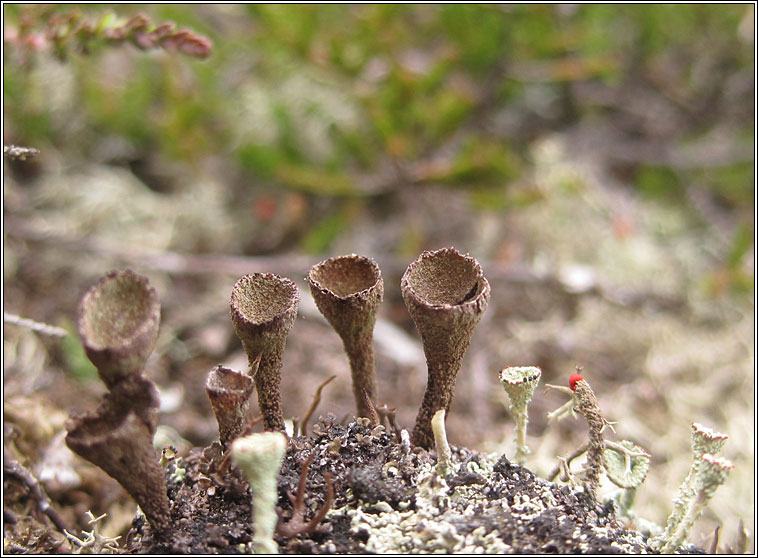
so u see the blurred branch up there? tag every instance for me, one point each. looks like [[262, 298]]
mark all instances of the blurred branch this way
[[166, 261], [44, 329], [17, 153], [191, 264], [70, 30]]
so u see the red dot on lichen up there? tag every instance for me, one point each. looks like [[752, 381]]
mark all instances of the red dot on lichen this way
[[573, 379]]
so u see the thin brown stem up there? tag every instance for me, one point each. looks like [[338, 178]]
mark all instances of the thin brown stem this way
[[297, 524], [312, 408], [588, 407], [557, 471], [371, 413]]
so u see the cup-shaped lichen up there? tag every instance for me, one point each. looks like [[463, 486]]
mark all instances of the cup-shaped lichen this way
[[711, 473], [520, 382], [703, 440], [229, 392], [118, 324], [347, 291], [446, 294], [264, 308], [118, 438]]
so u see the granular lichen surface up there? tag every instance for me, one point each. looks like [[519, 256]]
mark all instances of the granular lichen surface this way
[[389, 499]]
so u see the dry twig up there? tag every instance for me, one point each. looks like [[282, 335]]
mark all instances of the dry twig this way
[[14, 469], [17, 153], [297, 525], [312, 408], [39, 327]]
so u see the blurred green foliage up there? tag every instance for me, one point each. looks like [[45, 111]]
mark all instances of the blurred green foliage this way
[[73, 354], [323, 99]]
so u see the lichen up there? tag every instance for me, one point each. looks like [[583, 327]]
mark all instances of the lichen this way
[[447, 517]]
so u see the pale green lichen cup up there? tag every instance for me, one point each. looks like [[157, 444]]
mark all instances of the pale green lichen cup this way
[[520, 382]]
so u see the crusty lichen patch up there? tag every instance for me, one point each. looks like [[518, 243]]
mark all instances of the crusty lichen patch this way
[[389, 498], [490, 506]]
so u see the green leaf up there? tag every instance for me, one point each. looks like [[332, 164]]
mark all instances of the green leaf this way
[[323, 233], [76, 360]]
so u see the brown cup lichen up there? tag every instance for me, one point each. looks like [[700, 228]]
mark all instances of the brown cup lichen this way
[[264, 308], [348, 291], [229, 392], [118, 438], [446, 294], [118, 324]]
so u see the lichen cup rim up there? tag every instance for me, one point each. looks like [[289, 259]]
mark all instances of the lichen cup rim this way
[[118, 323], [150, 314], [316, 279], [221, 378], [99, 427], [268, 312], [471, 298], [229, 392], [515, 375]]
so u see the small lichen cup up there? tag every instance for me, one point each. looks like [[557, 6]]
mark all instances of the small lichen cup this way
[[347, 291], [703, 441], [712, 472], [118, 324], [519, 383], [446, 294], [264, 308], [229, 392]]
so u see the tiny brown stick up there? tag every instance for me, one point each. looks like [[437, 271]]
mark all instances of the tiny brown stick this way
[[590, 409], [569, 459], [312, 408], [297, 525], [715, 542], [385, 411], [373, 416]]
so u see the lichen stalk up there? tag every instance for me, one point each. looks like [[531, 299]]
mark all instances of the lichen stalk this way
[[118, 438], [446, 294], [520, 382], [263, 310], [589, 408], [347, 291], [711, 473], [260, 458], [444, 455], [703, 440]]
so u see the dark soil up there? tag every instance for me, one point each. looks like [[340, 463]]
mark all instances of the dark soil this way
[[497, 506]]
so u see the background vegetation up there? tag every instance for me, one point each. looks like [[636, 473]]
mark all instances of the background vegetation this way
[[598, 160]]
